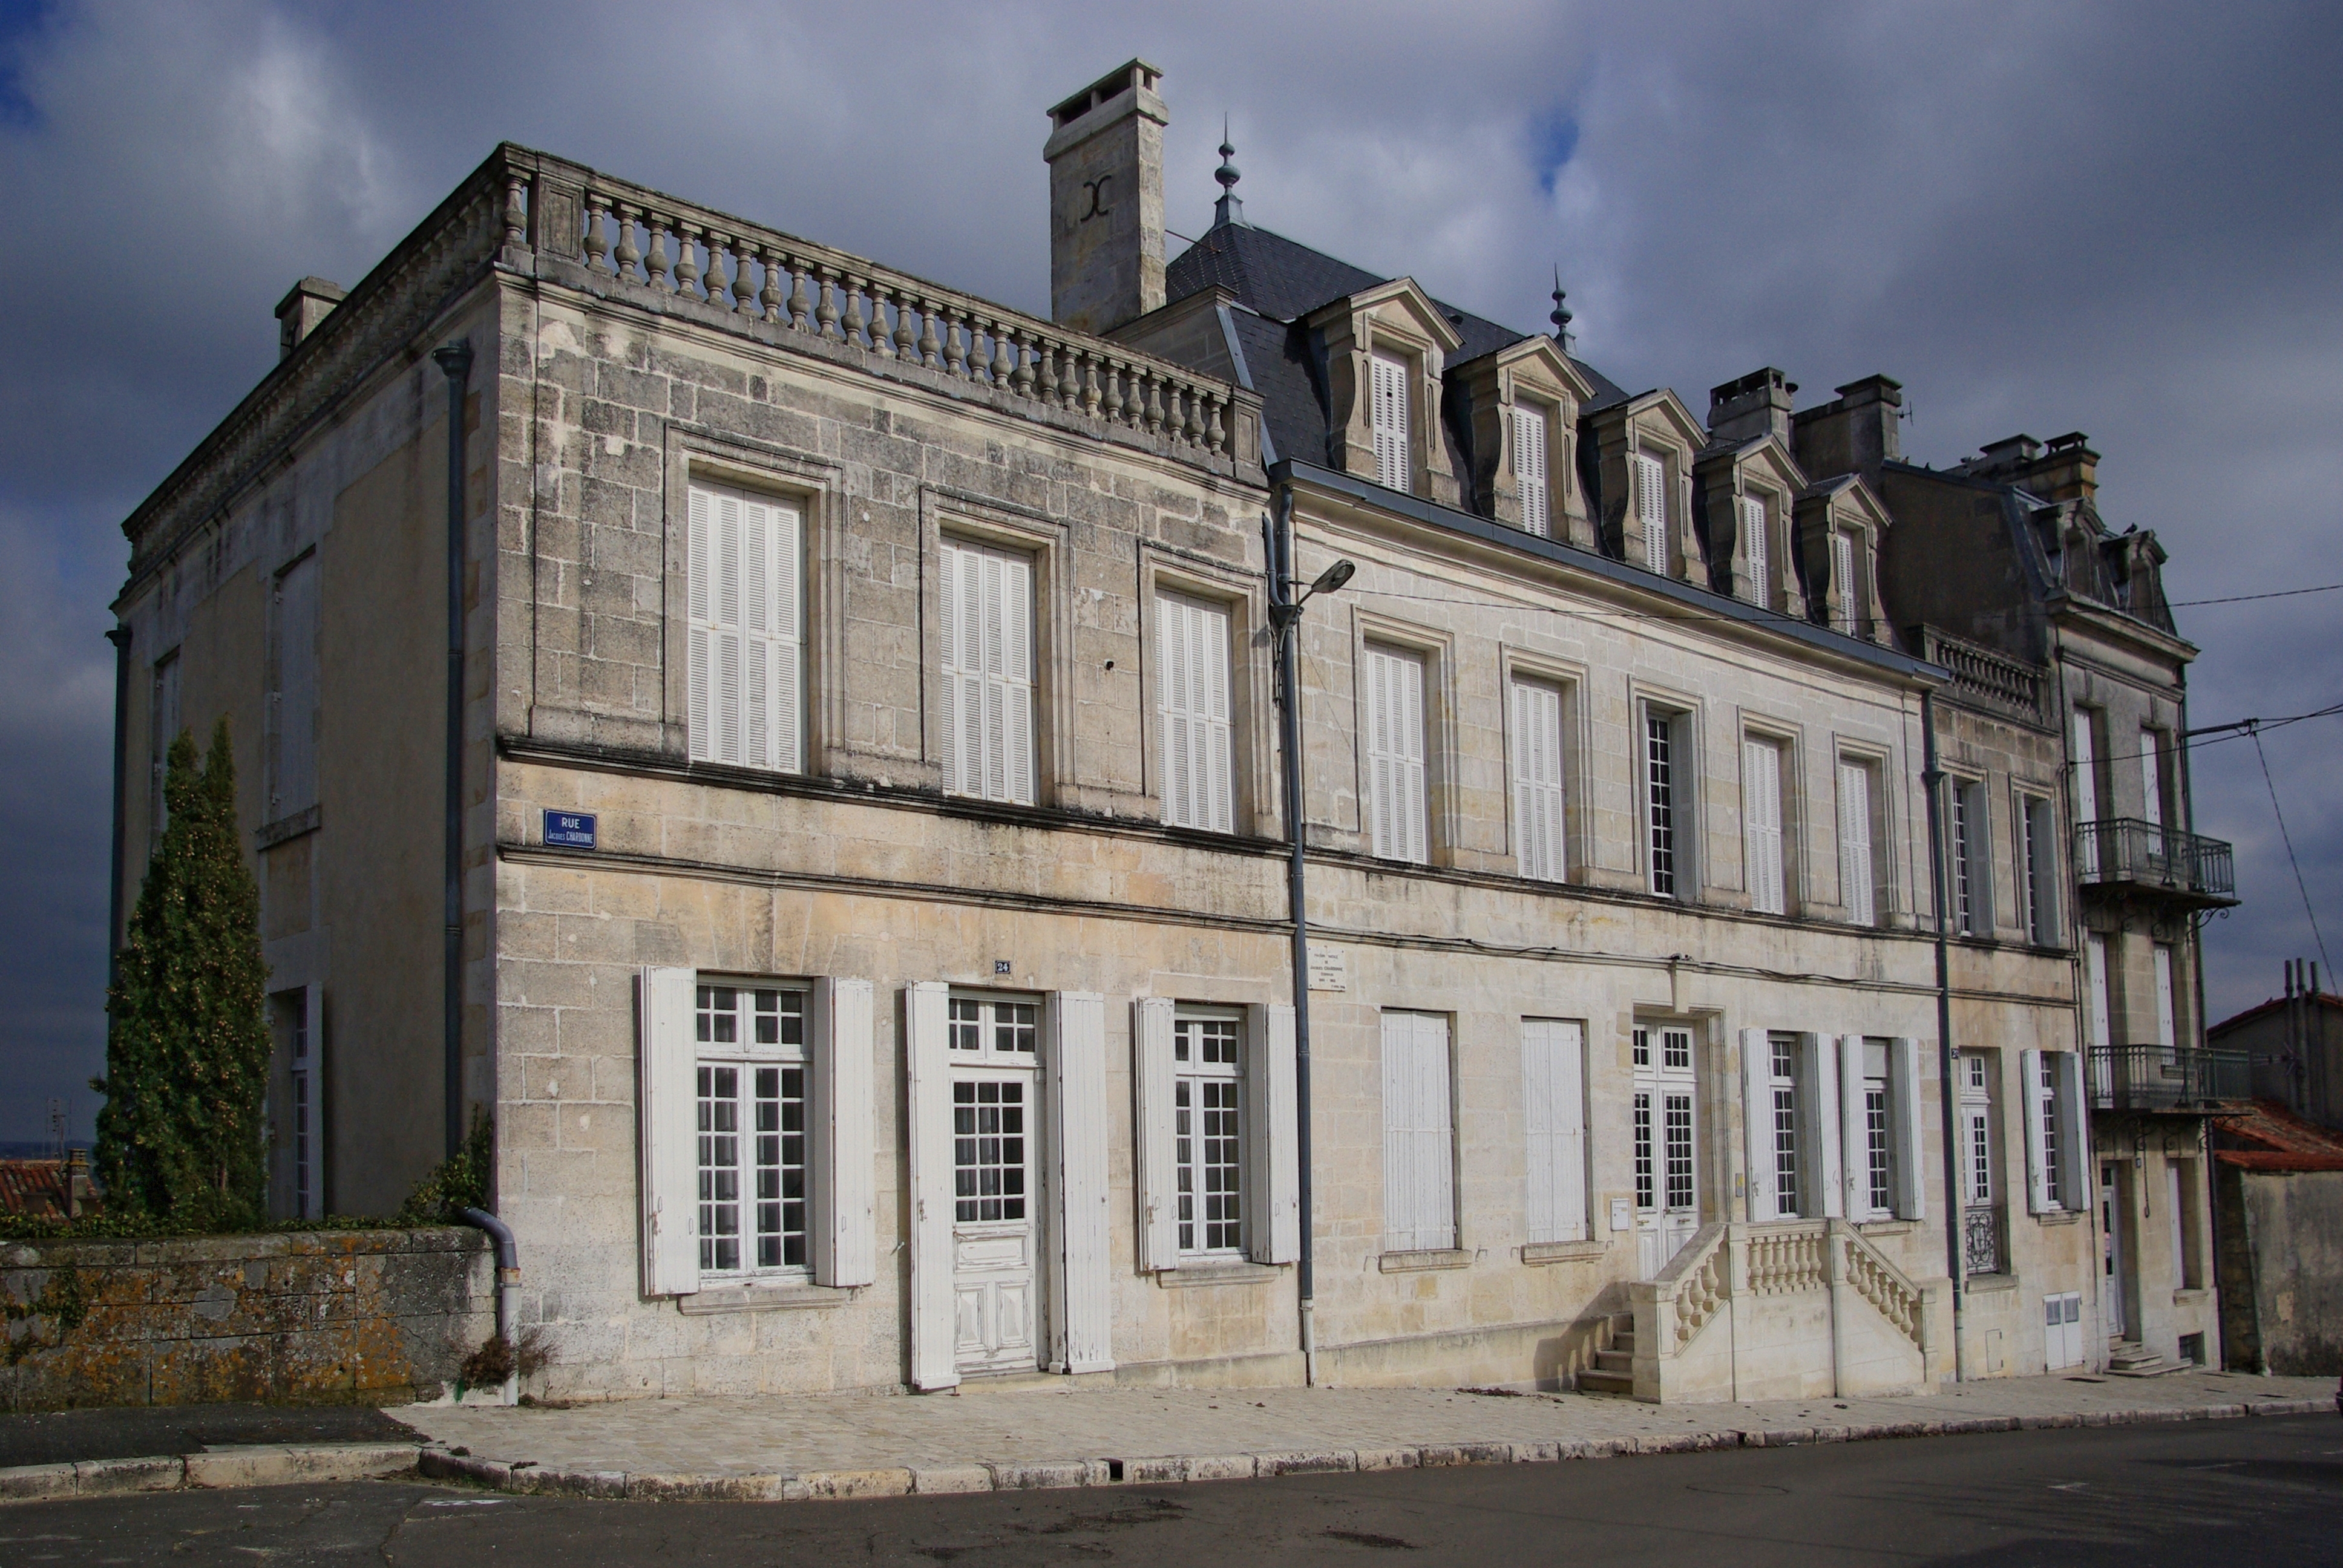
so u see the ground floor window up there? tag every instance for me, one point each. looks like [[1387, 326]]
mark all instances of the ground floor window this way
[[751, 1121]]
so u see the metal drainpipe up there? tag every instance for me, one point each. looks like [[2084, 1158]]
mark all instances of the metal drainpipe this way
[[454, 361], [1289, 683], [1932, 780], [508, 1285], [120, 638]]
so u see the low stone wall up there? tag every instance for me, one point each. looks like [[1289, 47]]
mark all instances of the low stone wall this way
[[356, 1317], [2281, 1271]]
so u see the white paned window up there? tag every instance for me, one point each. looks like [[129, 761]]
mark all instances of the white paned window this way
[[1972, 885], [1419, 1135], [987, 672], [1554, 1100], [1850, 596], [1858, 878], [163, 727], [989, 1162], [1976, 1130], [2151, 778], [1208, 1134], [1795, 1118], [1750, 513], [1390, 419], [2167, 1023], [1652, 510], [2052, 1106], [1398, 803], [2038, 868], [2043, 1094], [752, 1146], [1191, 658], [1782, 1105], [1005, 1031], [292, 695], [1538, 788], [1760, 825], [746, 653], [1530, 469], [1876, 1108], [1662, 805]]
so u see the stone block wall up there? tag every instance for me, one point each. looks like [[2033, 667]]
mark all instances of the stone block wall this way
[[324, 1317]]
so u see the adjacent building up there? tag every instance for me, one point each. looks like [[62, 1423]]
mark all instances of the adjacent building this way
[[797, 746]]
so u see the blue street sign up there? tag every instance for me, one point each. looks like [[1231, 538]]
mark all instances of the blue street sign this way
[[569, 830]]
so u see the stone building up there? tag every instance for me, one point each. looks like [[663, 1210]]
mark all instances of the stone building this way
[[835, 827]]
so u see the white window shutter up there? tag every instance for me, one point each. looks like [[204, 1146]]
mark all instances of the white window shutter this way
[[1652, 512], [1854, 1138], [1850, 596], [666, 1061], [1395, 754], [785, 642], [2151, 780], [1193, 697], [1819, 1097], [1419, 1176], [2037, 1174], [1555, 1107], [1530, 469], [1755, 548], [1908, 1132], [1857, 887], [1080, 1300], [2094, 978], [1174, 685], [843, 1167], [700, 565], [2073, 1130], [1272, 1150], [1388, 414], [1761, 824], [1538, 790], [1400, 1090], [1159, 1176], [2166, 1030], [1017, 675], [927, 1102], [987, 673], [1757, 1121], [744, 654], [1407, 715]]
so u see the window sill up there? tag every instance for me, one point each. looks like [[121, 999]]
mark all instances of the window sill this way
[[2190, 1295], [1887, 1226], [2061, 1217], [1990, 1285], [1434, 1258], [764, 1298], [285, 828], [1234, 1271], [1535, 1252]]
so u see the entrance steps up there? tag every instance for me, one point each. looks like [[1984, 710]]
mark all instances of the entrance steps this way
[[2129, 1358], [1614, 1371]]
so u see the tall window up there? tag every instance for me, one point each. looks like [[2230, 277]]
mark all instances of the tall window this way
[[293, 692], [1782, 1085], [1192, 647], [304, 1185], [1663, 1153], [1665, 819], [2098, 1020], [1206, 1133], [1530, 469], [1878, 1171], [1390, 419], [1750, 513], [1972, 887], [746, 654], [1419, 1134], [2043, 1098], [163, 727], [1398, 804], [2084, 750], [752, 1128], [1976, 1129], [1538, 788], [2038, 829], [987, 672], [1554, 1100], [1850, 596], [1652, 512], [1858, 880], [1760, 825], [2167, 1014], [2151, 778]]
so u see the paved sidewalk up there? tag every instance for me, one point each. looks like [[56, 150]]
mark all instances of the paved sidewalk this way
[[1013, 1438]]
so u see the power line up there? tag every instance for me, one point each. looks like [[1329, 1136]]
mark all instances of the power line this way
[[2245, 598], [2288, 838]]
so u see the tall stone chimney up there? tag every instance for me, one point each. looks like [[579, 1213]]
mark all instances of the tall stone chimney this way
[[1105, 154], [306, 303], [1756, 405], [1854, 433]]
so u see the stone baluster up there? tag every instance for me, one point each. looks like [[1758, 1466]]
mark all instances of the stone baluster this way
[[980, 349], [1216, 436], [1071, 384], [801, 308], [851, 286], [654, 265], [931, 351], [744, 296], [826, 313], [1132, 407], [626, 255], [955, 358], [1111, 389], [1045, 369], [597, 242], [516, 208], [769, 296], [1004, 357], [687, 270], [905, 339], [1154, 403], [1192, 430], [1020, 368], [1086, 375], [725, 270], [881, 343]]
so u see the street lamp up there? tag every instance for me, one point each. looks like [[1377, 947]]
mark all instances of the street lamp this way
[[1285, 616]]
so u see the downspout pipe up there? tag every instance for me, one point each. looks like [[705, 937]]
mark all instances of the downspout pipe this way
[[454, 361], [1285, 610], [508, 1284], [1932, 780], [120, 638]]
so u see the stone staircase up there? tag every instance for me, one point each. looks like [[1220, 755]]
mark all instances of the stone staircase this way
[[1614, 1371], [2129, 1358]]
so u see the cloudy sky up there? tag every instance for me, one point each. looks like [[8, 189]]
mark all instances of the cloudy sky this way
[[2121, 219]]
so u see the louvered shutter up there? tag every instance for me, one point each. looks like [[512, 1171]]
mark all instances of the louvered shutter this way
[[1757, 1121], [928, 1135], [1761, 823], [1530, 469], [1081, 1298], [1175, 684], [1538, 790], [1015, 677], [2038, 1169], [1857, 889], [1756, 548], [1389, 416], [699, 596], [1272, 1147], [1158, 1174], [845, 1180], [1911, 1185], [2095, 976], [1818, 1103], [1419, 1190], [1854, 1130], [669, 1120], [2166, 1034], [988, 658], [2073, 1147], [1652, 512], [1850, 599], [745, 654], [1395, 749], [1192, 659], [1553, 1102]]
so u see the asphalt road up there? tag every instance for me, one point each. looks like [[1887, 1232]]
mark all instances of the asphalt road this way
[[2264, 1491]]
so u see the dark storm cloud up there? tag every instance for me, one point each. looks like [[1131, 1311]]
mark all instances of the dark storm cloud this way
[[2119, 219]]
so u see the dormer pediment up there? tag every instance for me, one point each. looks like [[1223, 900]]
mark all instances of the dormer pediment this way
[[1534, 364], [1766, 457], [1659, 415], [1400, 306], [1851, 500]]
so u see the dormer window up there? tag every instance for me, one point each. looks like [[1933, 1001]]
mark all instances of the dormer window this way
[[1752, 519], [1843, 557], [1652, 512], [1530, 469], [1390, 420]]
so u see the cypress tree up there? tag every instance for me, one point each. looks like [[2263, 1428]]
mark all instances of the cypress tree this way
[[181, 1135]]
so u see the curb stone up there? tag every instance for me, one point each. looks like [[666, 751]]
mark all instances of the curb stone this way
[[274, 1465]]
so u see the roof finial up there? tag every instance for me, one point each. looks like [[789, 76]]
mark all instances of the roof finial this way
[[1228, 209], [1561, 315]]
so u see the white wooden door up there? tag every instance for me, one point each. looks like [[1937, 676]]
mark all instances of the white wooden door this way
[[993, 1052], [2111, 1284], [1667, 1194]]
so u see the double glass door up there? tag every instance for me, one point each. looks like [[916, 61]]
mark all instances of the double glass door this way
[[1667, 1199]]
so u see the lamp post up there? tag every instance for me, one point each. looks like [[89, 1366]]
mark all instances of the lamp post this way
[[1286, 607]]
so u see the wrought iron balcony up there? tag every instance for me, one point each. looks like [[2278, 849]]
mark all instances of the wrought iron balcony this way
[[2175, 1078], [1981, 1234], [2124, 852]]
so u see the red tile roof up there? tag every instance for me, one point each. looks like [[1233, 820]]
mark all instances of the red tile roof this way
[[2274, 1138], [31, 1187]]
